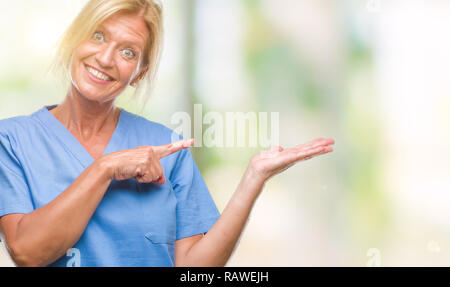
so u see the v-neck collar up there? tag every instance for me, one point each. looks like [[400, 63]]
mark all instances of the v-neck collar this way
[[71, 142]]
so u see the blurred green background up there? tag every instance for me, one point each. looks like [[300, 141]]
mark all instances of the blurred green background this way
[[372, 74]]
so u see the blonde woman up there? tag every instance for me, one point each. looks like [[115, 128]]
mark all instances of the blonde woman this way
[[85, 183]]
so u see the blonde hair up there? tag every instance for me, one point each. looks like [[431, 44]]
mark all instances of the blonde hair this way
[[94, 13]]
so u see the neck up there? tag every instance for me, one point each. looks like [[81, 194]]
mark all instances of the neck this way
[[86, 118]]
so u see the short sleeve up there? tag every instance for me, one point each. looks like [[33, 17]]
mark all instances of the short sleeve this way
[[196, 211], [14, 192]]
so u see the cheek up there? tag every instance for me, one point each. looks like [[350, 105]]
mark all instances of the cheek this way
[[127, 72], [80, 54], [85, 50]]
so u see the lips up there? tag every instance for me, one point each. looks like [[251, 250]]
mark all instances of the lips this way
[[98, 74]]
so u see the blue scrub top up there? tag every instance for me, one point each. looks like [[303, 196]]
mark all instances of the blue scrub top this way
[[135, 224]]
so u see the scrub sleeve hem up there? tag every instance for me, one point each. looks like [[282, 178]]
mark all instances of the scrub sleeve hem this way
[[15, 209], [203, 228]]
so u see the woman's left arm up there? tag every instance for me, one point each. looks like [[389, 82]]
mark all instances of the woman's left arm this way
[[216, 247]]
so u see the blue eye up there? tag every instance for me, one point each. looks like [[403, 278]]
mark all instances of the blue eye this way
[[129, 53], [98, 36]]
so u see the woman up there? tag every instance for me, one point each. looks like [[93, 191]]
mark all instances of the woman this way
[[85, 183]]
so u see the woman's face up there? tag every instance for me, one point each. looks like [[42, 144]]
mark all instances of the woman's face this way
[[103, 66]]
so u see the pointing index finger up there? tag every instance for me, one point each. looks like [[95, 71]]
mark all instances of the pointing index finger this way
[[165, 150]]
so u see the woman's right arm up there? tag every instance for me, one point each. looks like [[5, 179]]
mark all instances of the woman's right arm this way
[[42, 236]]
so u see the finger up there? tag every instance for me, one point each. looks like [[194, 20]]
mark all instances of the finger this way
[[305, 149], [310, 152], [165, 150], [316, 143], [151, 176], [305, 155], [141, 179], [289, 159], [160, 180], [320, 142], [157, 171]]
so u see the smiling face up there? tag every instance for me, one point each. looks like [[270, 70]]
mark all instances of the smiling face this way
[[103, 66]]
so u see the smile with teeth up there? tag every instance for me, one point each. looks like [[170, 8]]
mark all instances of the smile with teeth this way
[[98, 74]]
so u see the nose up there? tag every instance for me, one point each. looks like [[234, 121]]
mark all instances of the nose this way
[[105, 57]]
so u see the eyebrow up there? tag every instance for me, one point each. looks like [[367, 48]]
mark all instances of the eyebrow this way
[[126, 41]]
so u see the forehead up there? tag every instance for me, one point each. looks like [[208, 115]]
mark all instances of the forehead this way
[[129, 28]]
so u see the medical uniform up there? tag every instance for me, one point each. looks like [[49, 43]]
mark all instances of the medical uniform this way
[[135, 224]]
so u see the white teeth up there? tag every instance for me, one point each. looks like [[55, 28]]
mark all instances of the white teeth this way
[[98, 75]]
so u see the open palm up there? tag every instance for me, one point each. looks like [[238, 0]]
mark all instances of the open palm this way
[[278, 159]]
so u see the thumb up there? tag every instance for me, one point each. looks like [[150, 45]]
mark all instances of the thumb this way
[[161, 180]]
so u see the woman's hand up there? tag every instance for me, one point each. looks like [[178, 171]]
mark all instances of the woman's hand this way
[[141, 163], [214, 249], [269, 163]]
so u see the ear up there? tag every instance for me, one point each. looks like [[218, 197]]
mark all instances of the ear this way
[[139, 76]]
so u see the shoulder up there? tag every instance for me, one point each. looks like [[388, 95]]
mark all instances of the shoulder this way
[[21, 129], [13, 128], [13, 133]]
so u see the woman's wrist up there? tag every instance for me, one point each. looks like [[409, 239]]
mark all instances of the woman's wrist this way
[[251, 185], [253, 176], [103, 166]]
